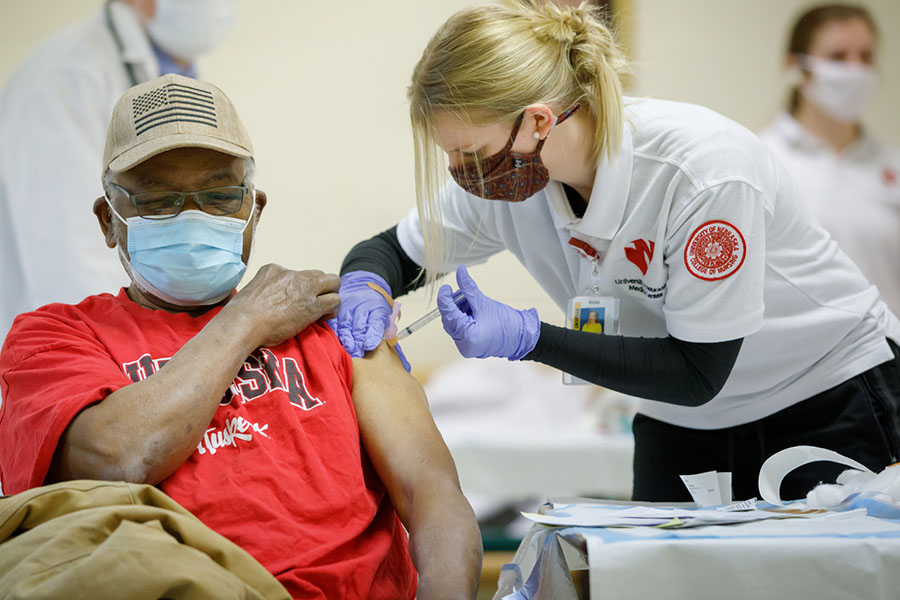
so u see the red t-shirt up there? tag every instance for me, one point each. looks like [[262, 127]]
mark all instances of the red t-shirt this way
[[280, 470]]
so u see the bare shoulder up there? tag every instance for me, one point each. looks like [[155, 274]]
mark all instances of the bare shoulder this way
[[380, 363], [384, 393]]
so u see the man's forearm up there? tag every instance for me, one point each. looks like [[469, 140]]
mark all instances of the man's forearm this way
[[144, 431], [445, 544]]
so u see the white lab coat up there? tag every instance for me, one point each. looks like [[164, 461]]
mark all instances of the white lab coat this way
[[54, 113]]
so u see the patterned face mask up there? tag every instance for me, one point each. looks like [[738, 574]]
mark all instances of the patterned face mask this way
[[507, 175]]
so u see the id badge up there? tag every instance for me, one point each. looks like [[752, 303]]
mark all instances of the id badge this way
[[591, 314]]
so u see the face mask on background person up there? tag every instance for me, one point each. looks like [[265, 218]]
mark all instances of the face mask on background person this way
[[190, 260], [841, 89], [187, 29]]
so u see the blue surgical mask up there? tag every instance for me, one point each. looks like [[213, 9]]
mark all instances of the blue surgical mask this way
[[193, 259]]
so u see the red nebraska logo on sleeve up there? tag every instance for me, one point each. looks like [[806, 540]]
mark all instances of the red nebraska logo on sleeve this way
[[640, 254], [715, 251]]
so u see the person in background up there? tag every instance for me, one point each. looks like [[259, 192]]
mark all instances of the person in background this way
[[850, 180], [53, 115]]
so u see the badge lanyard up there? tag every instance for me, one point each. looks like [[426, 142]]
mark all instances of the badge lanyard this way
[[591, 313], [589, 253]]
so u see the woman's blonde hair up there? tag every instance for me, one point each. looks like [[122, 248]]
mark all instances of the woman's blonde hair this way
[[486, 64]]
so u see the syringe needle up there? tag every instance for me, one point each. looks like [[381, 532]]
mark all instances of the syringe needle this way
[[428, 318]]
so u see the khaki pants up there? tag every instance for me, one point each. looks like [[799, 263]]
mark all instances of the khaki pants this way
[[98, 539]]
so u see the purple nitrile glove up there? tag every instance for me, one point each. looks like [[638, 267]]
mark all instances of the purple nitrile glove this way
[[364, 313], [482, 327]]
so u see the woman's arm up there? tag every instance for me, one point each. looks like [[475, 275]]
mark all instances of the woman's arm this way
[[384, 256], [664, 369]]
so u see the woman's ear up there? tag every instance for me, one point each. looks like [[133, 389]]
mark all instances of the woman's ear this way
[[539, 120], [795, 74]]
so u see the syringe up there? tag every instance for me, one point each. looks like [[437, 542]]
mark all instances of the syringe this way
[[428, 318]]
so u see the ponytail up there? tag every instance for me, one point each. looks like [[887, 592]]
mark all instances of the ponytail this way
[[598, 64]]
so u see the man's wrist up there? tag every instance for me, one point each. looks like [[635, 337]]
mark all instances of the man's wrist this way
[[245, 326]]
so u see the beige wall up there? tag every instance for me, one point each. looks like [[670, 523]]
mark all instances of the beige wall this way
[[727, 55], [321, 87]]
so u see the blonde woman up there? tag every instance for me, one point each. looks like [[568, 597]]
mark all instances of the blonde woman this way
[[741, 323]]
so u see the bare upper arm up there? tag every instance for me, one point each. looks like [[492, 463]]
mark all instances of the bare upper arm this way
[[397, 428]]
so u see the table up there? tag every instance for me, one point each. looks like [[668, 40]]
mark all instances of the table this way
[[842, 556]]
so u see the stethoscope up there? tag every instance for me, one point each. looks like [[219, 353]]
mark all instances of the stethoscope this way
[[129, 68]]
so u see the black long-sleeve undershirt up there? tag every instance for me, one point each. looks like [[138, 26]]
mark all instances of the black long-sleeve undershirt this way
[[383, 255], [665, 369]]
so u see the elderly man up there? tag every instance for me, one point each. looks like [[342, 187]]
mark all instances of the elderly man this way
[[243, 407]]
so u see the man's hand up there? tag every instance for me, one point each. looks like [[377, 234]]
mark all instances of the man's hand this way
[[283, 303]]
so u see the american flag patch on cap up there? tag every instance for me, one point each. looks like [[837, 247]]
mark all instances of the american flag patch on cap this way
[[173, 103], [169, 112]]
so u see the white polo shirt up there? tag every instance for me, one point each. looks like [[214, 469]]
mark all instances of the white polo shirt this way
[[854, 194], [703, 236]]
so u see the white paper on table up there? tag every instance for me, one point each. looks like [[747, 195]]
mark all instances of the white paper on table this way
[[705, 488], [724, 488], [852, 522], [592, 515], [777, 466], [742, 505]]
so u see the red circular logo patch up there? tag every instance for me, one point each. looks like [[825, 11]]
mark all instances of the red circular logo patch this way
[[715, 251]]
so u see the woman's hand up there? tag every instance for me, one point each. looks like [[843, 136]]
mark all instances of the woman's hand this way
[[482, 327], [364, 312]]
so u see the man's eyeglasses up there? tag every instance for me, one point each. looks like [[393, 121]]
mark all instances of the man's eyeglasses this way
[[220, 201]]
